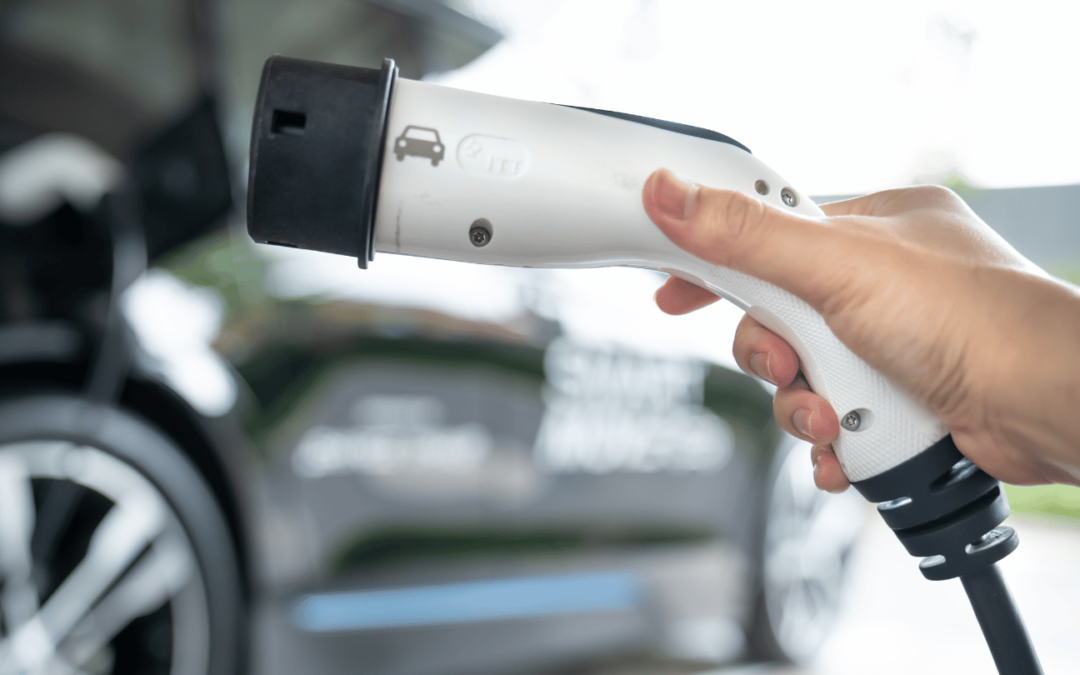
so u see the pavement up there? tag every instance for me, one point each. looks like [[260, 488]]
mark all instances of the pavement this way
[[895, 622]]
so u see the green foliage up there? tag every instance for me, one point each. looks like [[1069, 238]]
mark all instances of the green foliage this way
[[958, 183], [1057, 500], [226, 261], [1069, 271]]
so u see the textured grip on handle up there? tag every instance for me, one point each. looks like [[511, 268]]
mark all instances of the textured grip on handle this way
[[893, 427]]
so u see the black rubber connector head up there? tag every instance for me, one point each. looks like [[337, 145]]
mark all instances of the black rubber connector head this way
[[945, 508], [316, 155]]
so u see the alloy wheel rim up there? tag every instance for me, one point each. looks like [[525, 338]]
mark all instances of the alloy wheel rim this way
[[97, 574], [808, 536]]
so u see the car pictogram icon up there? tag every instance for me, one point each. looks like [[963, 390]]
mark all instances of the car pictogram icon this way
[[420, 142]]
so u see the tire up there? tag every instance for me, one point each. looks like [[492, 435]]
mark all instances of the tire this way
[[120, 548], [802, 564]]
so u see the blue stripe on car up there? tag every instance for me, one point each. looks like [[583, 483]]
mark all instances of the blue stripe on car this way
[[467, 602]]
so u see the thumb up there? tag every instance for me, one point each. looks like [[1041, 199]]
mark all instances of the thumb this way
[[734, 230]]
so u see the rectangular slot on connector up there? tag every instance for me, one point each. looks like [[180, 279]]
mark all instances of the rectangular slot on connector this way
[[288, 122]]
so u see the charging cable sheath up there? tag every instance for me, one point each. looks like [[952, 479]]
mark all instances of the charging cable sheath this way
[[357, 160], [1000, 622]]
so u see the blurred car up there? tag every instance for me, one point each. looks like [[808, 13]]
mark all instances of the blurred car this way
[[198, 475], [419, 494]]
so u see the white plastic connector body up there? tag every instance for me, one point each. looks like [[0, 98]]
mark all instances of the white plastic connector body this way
[[561, 187]]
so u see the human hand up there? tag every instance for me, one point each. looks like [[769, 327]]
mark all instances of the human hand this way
[[914, 283]]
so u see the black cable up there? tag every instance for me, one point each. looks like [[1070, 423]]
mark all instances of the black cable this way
[[1001, 623]]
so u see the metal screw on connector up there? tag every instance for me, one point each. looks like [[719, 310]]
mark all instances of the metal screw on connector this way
[[788, 196], [851, 421], [480, 233]]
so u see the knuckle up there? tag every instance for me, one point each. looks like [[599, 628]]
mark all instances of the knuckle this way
[[931, 195], [741, 345], [898, 200], [734, 223], [936, 193]]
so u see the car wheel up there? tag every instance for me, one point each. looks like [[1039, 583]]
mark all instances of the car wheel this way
[[807, 537], [114, 556]]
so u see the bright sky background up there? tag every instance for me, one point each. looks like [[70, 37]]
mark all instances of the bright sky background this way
[[839, 97]]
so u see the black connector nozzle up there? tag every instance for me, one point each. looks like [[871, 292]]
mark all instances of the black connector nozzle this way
[[316, 155]]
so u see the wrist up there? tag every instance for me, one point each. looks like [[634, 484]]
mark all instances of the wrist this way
[[1033, 404]]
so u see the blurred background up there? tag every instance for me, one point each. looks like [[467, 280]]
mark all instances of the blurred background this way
[[223, 457]]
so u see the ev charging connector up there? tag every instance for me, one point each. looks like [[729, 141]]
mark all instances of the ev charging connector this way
[[355, 160]]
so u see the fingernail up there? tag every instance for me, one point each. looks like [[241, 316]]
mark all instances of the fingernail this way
[[759, 363], [674, 196], [802, 419]]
